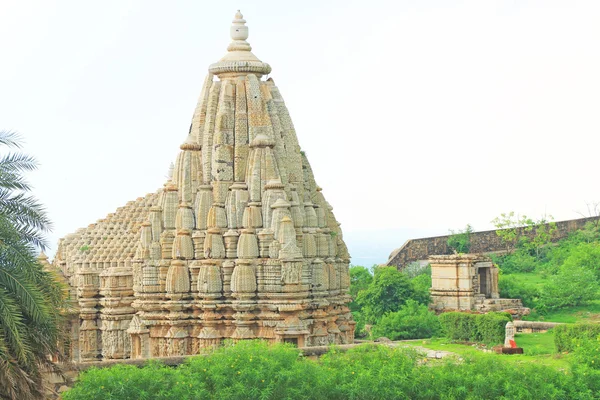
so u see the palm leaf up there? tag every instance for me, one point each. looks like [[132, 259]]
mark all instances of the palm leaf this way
[[10, 139], [30, 300], [11, 324], [17, 162]]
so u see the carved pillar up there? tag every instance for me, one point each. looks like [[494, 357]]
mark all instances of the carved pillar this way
[[87, 292], [116, 285]]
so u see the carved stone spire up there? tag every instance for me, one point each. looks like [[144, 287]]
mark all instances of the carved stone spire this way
[[239, 243]]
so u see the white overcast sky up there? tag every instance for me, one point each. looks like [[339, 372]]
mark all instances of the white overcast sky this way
[[417, 116]]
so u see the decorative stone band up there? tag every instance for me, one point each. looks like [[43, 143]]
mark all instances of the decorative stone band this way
[[239, 67]]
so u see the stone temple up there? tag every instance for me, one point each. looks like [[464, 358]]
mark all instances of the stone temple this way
[[240, 243]]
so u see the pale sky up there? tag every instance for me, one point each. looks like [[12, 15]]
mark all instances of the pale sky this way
[[417, 116]]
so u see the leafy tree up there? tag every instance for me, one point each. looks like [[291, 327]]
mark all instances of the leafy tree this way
[[421, 288], [388, 292], [30, 299], [460, 241], [360, 278], [416, 268], [521, 231]]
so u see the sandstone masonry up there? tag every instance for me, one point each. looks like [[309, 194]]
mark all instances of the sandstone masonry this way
[[240, 243]]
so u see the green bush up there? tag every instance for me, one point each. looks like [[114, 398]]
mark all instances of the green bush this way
[[574, 286], [567, 336], [513, 289], [359, 328], [459, 326], [460, 241], [585, 255], [388, 292], [421, 285], [587, 352], [254, 370], [520, 260], [412, 321], [491, 327], [483, 328]]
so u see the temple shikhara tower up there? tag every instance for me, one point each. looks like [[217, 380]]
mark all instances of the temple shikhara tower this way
[[240, 243]]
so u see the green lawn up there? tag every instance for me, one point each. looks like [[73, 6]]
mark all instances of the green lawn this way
[[536, 343], [538, 348]]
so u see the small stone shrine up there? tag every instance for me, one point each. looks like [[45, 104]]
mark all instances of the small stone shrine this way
[[240, 243], [468, 282], [510, 346]]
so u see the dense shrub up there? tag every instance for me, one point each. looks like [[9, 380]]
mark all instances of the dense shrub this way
[[388, 292], [421, 288], [511, 288], [574, 286], [483, 328], [491, 327], [587, 352], [568, 336], [360, 327], [252, 370], [519, 261], [584, 255], [459, 326], [412, 321], [460, 241]]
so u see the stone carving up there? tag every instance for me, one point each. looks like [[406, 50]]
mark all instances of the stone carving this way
[[239, 243]]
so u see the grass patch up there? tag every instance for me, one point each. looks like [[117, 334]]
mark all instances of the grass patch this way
[[536, 343], [538, 348], [570, 315], [530, 278]]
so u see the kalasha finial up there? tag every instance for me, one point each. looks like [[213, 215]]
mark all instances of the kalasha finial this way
[[239, 60], [239, 34]]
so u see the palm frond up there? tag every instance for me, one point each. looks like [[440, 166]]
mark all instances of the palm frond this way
[[10, 180], [24, 209], [11, 323], [30, 299], [17, 162], [10, 139]]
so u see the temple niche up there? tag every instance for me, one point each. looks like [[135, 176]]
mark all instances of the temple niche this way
[[468, 282], [239, 244]]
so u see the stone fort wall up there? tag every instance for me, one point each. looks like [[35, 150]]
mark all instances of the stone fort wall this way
[[481, 242]]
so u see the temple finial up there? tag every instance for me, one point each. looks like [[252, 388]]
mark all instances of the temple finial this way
[[239, 60], [239, 34]]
